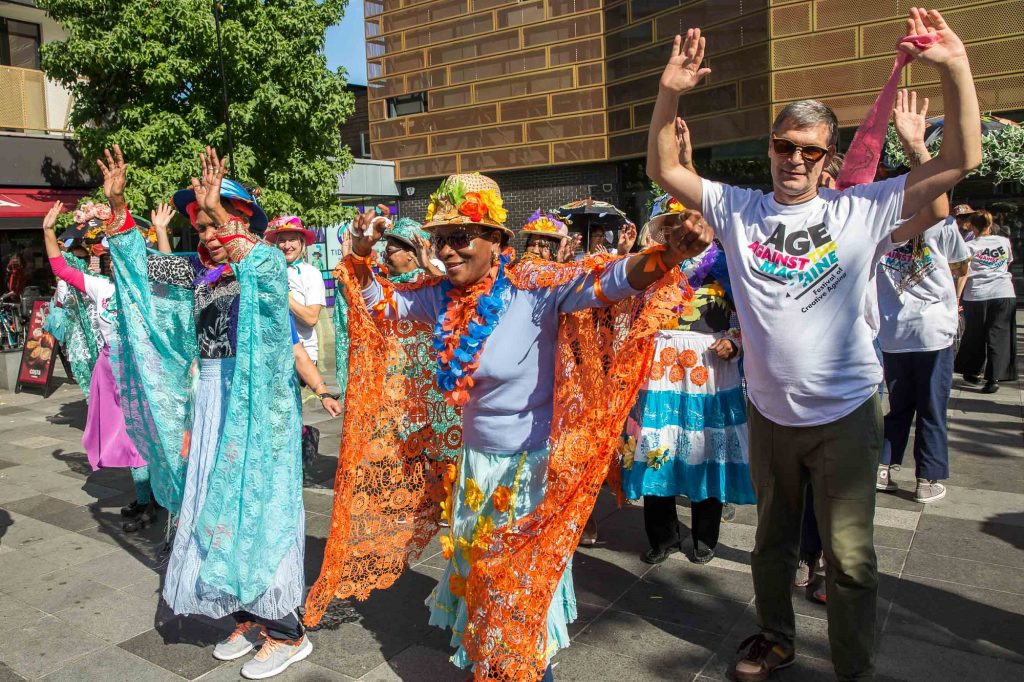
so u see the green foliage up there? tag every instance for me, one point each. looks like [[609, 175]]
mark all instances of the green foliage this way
[[145, 74], [1002, 154]]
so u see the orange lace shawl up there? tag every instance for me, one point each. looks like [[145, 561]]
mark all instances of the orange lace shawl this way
[[388, 492]]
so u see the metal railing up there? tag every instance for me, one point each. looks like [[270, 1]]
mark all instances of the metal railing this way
[[23, 100]]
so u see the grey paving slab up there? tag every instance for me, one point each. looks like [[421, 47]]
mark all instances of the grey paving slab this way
[[972, 504], [113, 616], [984, 622], [415, 663], [8, 675], [991, 540], [111, 664], [641, 638], [39, 506], [906, 658], [582, 663], [45, 646], [60, 589], [663, 598], [15, 613], [183, 646], [976, 573]]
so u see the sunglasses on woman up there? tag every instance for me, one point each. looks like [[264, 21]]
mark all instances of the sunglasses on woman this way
[[785, 148], [457, 240]]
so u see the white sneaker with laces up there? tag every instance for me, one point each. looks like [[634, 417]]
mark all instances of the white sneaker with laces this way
[[274, 657], [929, 491], [884, 481], [240, 642]]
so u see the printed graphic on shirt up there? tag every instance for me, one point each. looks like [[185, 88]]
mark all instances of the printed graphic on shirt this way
[[993, 258], [905, 269], [804, 261]]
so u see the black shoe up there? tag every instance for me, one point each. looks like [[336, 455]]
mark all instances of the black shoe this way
[[146, 518], [701, 554], [990, 387], [657, 556], [130, 511], [972, 379]]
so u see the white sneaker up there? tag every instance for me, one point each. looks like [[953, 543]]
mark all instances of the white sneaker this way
[[884, 481], [929, 491], [274, 657], [240, 642]]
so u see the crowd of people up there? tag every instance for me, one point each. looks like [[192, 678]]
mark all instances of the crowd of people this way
[[730, 351]]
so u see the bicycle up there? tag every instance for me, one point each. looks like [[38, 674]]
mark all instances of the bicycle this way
[[12, 327]]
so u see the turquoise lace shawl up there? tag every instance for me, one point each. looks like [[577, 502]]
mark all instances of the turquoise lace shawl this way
[[254, 498]]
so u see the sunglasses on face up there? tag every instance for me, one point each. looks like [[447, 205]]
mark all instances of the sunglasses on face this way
[[457, 240], [785, 148]]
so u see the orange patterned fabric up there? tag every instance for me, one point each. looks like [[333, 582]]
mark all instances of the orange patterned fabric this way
[[601, 352]]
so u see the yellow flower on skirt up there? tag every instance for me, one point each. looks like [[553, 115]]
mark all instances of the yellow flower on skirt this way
[[447, 546], [657, 457], [474, 496]]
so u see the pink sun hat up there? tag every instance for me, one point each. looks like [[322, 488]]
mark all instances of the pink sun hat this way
[[288, 223]]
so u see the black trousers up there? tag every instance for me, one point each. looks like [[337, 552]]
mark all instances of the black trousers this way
[[662, 523], [990, 339], [289, 627]]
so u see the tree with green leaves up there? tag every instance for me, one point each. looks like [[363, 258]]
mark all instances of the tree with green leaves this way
[[146, 74]]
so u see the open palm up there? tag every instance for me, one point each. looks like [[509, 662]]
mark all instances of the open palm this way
[[947, 46], [909, 122], [683, 71]]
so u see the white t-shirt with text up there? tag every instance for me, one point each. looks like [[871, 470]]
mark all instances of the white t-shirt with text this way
[[917, 295], [989, 276], [306, 285], [100, 290], [799, 278]]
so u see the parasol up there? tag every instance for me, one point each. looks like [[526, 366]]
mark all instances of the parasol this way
[[586, 213]]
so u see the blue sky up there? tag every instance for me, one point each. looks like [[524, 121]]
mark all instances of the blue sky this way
[[346, 44]]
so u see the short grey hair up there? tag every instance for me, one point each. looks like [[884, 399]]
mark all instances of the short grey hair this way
[[808, 113]]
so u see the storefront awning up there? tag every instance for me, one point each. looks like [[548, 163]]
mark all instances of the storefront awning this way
[[34, 203]]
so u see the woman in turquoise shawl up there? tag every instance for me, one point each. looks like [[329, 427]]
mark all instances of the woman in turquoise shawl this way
[[224, 446], [71, 322]]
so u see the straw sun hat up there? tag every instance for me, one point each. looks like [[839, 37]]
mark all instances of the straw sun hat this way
[[467, 199]]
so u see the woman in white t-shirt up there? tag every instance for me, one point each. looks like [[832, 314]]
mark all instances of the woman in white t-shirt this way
[[989, 302], [307, 294]]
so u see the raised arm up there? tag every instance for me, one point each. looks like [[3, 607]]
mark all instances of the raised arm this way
[[961, 135], [910, 128], [682, 73], [60, 268], [161, 218]]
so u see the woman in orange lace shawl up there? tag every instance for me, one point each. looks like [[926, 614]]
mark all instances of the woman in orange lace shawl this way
[[503, 577]]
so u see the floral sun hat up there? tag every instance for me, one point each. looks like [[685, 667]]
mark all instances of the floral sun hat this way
[[662, 208], [288, 223], [467, 199], [405, 230], [546, 225]]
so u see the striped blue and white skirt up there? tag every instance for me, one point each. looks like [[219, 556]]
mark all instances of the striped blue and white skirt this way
[[687, 432]]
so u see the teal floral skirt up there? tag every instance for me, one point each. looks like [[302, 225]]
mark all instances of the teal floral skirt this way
[[489, 491]]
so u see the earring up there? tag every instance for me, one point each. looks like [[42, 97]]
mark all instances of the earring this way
[[494, 258]]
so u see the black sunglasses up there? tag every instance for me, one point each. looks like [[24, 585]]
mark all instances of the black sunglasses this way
[[457, 240], [785, 148]]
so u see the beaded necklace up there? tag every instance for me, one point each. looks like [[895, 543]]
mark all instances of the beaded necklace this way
[[463, 327]]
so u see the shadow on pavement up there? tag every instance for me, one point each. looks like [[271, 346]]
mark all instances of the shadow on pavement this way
[[999, 526]]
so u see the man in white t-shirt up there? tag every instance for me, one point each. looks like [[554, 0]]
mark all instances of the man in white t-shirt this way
[[799, 261]]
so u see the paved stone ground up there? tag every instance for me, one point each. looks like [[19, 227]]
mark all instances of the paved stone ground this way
[[79, 598]]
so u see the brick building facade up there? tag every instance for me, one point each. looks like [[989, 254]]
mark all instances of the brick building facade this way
[[553, 98]]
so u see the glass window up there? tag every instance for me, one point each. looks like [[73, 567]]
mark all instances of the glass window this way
[[577, 100], [573, 53], [560, 7], [579, 150], [502, 66], [452, 97], [478, 47], [450, 120], [406, 105], [534, 107], [521, 15], [364, 145], [505, 158], [401, 148], [560, 128], [19, 44], [427, 168], [560, 31]]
